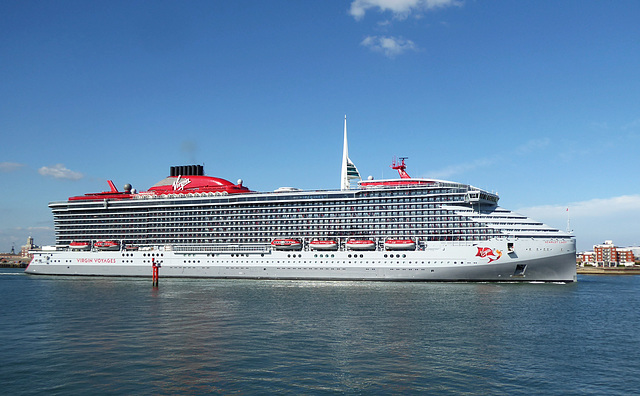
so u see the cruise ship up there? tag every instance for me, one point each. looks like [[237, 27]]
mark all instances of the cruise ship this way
[[401, 229]]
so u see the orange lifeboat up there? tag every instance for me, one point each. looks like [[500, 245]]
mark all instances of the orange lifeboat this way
[[286, 244], [80, 245], [361, 244], [107, 245], [328, 244], [399, 244]]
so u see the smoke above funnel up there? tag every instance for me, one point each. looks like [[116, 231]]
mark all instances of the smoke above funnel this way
[[190, 149]]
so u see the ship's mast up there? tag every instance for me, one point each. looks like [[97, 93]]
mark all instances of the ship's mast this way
[[400, 167]]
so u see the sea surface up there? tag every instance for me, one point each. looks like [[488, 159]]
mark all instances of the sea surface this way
[[78, 336]]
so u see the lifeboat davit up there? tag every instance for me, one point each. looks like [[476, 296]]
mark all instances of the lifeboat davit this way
[[324, 245], [286, 244], [361, 244], [80, 245], [107, 245], [399, 244]]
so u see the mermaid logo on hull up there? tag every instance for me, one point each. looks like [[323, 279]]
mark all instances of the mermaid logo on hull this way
[[491, 254]]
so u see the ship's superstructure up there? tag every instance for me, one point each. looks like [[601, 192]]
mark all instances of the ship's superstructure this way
[[398, 229]]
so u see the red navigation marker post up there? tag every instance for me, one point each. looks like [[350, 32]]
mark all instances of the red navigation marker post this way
[[155, 276]]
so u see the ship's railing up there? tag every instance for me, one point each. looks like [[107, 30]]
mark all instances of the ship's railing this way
[[221, 248], [298, 193]]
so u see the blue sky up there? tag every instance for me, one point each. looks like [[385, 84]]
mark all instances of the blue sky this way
[[536, 100]]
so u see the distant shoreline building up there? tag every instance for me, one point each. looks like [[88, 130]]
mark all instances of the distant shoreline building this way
[[24, 252], [608, 255], [18, 260]]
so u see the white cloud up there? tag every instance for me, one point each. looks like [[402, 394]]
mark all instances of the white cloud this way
[[527, 147], [594, 208], [461, 168], [59, 171], [400, 8], [594, 221], [635, 124], [533, 145], [10, 166], [597, 125], [389, 46]]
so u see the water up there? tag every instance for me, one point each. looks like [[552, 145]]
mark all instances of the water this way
[[65, 335]]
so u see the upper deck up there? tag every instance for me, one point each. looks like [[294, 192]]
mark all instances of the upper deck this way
[[420, 209], [183, 180]]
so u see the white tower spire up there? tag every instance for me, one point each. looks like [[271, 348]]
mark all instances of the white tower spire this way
[[349, 170], [344, 181]]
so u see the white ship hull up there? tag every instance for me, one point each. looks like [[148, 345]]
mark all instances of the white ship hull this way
[[406, 229], [523, 260]]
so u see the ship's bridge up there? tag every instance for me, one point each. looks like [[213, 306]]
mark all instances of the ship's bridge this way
[[479, 196], [474, 195]]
